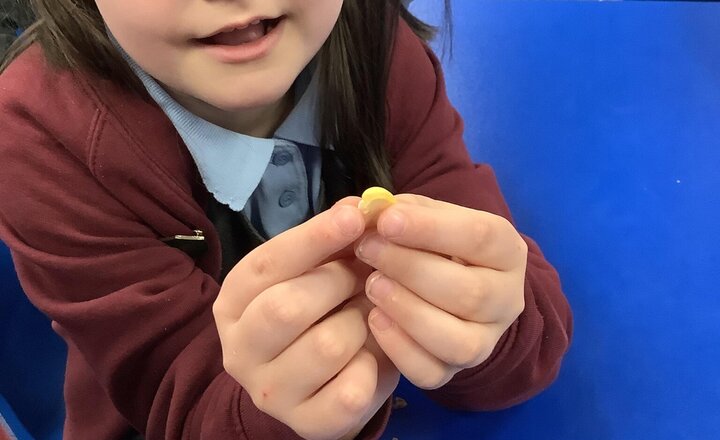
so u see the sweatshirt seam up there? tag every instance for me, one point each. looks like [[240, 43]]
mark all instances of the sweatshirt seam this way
[[96, 131], [134, 143]]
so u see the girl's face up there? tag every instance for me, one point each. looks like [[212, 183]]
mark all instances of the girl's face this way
[[215, 52]]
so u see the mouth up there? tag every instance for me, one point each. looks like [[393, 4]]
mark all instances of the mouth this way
[[241, 34]]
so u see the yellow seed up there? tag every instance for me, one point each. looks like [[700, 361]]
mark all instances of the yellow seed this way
[[374, 200]]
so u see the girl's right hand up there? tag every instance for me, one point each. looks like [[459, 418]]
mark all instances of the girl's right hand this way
[[294, 337]]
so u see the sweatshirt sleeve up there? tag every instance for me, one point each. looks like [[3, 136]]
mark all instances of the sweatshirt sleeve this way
[[136, 311], [429, 157]]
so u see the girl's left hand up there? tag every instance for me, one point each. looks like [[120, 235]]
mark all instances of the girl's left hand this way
[[449, 282]]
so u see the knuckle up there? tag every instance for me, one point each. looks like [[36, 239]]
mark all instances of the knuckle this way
[[229, 366], [221, 309], [232, 362], [468, 352], [262, 263], [485, 349], [323, 234], [354, 399], [218, 311], [519, 307], [480, 234], [474, 297], [233, 367], [521, 252], [503, 223], [279, 311], [328, 345], [460, 358], [431, 380], [522, 246]]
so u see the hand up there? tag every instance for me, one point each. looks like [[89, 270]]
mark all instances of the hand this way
[[449, 282], [294, 333]]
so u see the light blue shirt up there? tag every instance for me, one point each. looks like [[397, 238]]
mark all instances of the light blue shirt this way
[[274, 182]]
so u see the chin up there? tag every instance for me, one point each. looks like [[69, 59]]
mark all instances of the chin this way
[[247, 95]]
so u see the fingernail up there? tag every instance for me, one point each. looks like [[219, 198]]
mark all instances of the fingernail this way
[[392, 224], [380, 321], [370, 247], [379, 288], [348, 220]]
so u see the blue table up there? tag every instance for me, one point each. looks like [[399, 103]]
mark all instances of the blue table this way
[[602, 121]]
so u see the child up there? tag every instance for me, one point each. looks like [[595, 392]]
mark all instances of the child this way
[[176, 191]]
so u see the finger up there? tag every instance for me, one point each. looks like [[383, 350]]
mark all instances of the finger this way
[[420, 367], [348, 251], [475, 294], [287, 256], [455, 342], [417, 199], [349, 201], [284, 311], [349, 397], [477, 237], [388, 374], [316, 356]]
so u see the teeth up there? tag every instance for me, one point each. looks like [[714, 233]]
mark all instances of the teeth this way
[[254, 23]]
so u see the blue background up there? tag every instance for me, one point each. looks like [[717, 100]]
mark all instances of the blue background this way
[[602, 121]]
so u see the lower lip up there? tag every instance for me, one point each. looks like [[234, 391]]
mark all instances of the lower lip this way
[[247, 52]]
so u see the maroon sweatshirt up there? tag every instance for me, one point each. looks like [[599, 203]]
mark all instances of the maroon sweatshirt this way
[[92, 176]]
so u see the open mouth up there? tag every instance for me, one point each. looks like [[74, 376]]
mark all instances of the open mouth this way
[[240, 35]]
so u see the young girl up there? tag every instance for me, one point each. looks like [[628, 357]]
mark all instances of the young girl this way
[[177, 193]]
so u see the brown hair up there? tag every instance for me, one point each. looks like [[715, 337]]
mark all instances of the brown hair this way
[[353, 63]]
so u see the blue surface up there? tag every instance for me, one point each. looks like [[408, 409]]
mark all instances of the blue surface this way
[[602, 121], [8, 419], [32, 362]]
